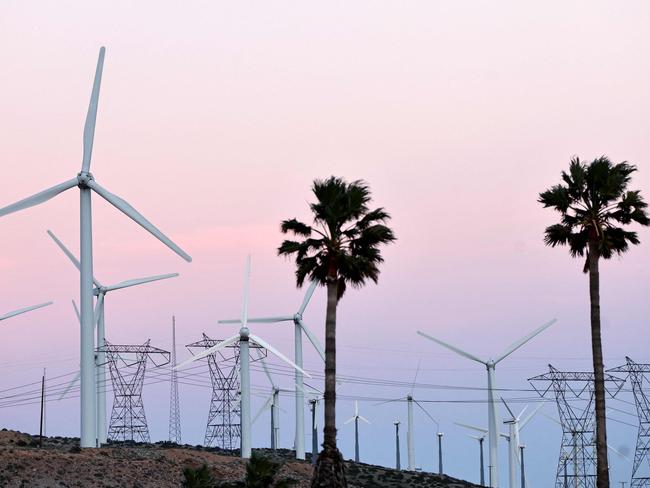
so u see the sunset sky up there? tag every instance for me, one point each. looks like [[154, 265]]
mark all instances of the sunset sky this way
[[215, 118]]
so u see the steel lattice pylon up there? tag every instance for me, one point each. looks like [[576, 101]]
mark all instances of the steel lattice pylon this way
[[224, 419], [174, 405], [574, 394], [127, 364], [637, 374]]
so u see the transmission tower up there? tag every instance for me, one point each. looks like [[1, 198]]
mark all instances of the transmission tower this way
[[127, 364], [174, 406], [224, 419], [637, 374], [574, 394]]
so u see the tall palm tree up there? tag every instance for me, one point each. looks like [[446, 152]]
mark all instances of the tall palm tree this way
[[340, 248], [595, 204]]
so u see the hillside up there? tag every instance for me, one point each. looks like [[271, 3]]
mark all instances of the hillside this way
[[60, 463]]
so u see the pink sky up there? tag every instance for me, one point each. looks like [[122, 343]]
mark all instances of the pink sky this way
[[214, 119]]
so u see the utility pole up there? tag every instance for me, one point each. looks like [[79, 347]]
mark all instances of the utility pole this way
[[523, 470], [440, 453], [40, 440]]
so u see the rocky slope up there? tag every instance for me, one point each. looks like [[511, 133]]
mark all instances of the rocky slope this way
[[60, 463]]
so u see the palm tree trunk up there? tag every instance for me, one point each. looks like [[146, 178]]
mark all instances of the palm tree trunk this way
[[602, 467], [329, 471]]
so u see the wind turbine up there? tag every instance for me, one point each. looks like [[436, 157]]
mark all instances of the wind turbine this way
[[299, 327], [356, 417], [410, 436], [100, 292], [514, 426], [244, 337], [272, 403], [490, 364], [23, 310], [480, 439], [397, 453], [86, 183]]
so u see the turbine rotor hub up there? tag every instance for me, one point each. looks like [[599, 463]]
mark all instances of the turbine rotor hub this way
[[84, 178]]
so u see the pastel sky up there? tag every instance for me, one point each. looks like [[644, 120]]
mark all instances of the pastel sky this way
[[214, 119]]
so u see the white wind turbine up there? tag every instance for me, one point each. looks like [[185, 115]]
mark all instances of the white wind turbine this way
[[23, 310], [298, 328], [272, 403], [490, 364], [86, 183], [100, 292], [243, 337], [410, 433], [515, 424], [356, 417]]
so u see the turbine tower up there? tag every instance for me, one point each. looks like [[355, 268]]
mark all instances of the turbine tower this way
[[246, 341], [515, 425], [23, 310], [100, 292], [86, 183], [356, 417], [174, 405], [398, 464], [299, 327], [490, 364]]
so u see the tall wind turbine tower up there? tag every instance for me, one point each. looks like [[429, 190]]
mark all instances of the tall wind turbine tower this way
[[490, 364], [174, 406]]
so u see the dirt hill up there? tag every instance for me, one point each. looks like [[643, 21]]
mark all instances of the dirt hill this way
[[60, 463]]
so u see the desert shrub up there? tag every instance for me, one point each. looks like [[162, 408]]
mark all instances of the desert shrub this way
[[198, 477]]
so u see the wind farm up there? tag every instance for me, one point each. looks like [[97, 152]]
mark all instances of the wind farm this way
[[401, 212]]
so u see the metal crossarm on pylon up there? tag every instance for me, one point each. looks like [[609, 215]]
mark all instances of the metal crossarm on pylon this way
[[574, 394], [127, 365]]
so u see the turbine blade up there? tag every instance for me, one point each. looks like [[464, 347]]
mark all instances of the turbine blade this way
[[126, 208], [266, 405], [266, 371], [356, 408], [348, 421], [521, 413], [472, 427], [76, 311], [517, 344], [415, 378], [530, 416], [91, 117], [616, 451], [364, 419], [310, 292], [39, 198], [70, 385], [427, 413], [272, 349], [24, 310], [140, 281], [313, 339], [552, 419], [512, 415], [71, 256], [389, 401], [217, 347], [247, 277], [262, 320], [99, 308], [453, 348]]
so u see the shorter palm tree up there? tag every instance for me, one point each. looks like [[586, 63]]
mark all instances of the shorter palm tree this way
[[341, 248]]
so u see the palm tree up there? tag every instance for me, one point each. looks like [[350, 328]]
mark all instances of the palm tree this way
[[595, 204], [341, 248]]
